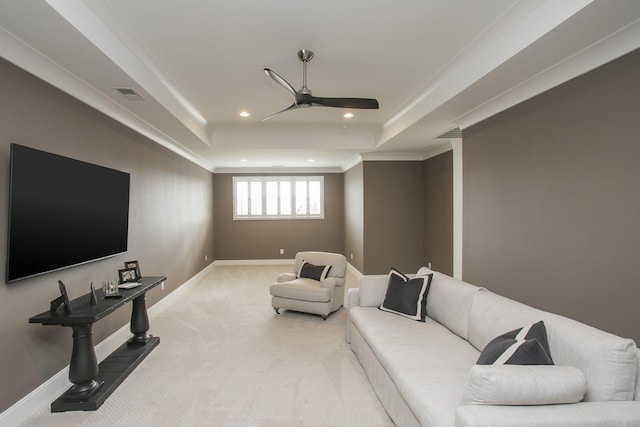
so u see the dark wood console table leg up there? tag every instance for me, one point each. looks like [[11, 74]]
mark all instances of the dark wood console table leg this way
[[139, 321], [83, 367], [93, 383]]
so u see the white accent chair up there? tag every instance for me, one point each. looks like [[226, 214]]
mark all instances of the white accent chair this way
[[292, 292]]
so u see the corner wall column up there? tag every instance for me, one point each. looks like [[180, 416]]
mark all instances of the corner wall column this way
[[456, 143]]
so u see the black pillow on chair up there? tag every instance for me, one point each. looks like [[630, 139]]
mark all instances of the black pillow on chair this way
[[315, 272], [407, 297]]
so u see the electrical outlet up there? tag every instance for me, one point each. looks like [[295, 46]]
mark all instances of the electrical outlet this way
[[429, 266], [206, 258], [352, 255], [162, 285], [281, 251]]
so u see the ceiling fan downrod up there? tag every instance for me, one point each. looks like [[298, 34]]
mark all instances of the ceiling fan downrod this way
[[305, 56]]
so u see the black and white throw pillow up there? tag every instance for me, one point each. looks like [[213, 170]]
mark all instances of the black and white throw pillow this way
[[315, 272], [524, 346], [407, 297]]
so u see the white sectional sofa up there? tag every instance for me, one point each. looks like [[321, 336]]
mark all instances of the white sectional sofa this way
[[425, 373]]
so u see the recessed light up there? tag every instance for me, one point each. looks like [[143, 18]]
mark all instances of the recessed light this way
[[310, 160], [347, 115], [243, 160], [244, 114]]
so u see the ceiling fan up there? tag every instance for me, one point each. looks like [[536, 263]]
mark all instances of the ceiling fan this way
[[303, 97]]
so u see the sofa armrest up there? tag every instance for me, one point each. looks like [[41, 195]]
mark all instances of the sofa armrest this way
[[286, 277], [353, 298], [584, 414]]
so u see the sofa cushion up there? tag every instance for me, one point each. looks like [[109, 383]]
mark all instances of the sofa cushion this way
[[524, 385], [609, 362], [315, 272], [424, 271], [428, 364], [524, 346], [407, 297], [449, 303], [373, 289], [301, 289]]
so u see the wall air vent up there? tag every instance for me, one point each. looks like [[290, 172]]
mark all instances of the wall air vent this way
[[453, 133], [129, 93]]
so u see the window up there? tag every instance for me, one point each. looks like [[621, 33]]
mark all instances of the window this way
[[278, 197]]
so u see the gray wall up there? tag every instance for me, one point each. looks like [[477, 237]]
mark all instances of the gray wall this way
[[250, 239], [393, 216], [354, 216], [400, 214], [552, 203], [438, 212], [170, 226]]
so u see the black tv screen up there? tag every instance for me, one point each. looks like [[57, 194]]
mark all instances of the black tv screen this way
[[63, 212]]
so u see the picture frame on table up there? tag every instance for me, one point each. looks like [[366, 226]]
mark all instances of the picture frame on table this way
[[136, 265], [63, 299], [128, 275]]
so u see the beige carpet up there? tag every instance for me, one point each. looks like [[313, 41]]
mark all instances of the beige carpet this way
[[226, 359]]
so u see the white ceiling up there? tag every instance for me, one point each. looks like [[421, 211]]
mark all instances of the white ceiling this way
[[434, 65]]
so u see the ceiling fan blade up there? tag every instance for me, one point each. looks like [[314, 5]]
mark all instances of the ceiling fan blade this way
[[304, 98], [362, 103], [281, 81], [293, 106]]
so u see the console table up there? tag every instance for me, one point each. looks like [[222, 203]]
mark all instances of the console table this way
[[93, 384]]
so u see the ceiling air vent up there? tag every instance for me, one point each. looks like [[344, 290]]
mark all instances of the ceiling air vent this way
[[129, 93], [453, 133]]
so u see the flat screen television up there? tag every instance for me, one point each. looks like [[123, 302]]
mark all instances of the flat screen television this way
[[62, 212]]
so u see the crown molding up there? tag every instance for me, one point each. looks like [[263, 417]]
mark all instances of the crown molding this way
[[277, 170], [98, 24], [513, 32], [612, 47], [384, 156], [29, 59]]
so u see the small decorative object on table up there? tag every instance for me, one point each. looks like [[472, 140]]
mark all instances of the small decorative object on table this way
[[110, 288], [94, 299]]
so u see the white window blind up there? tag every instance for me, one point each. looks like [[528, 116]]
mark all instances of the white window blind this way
[[278, 197]]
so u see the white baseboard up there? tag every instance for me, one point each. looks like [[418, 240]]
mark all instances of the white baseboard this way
[[46, 392], [56, 385], [354, 270], [254, 262], [164, 302]]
